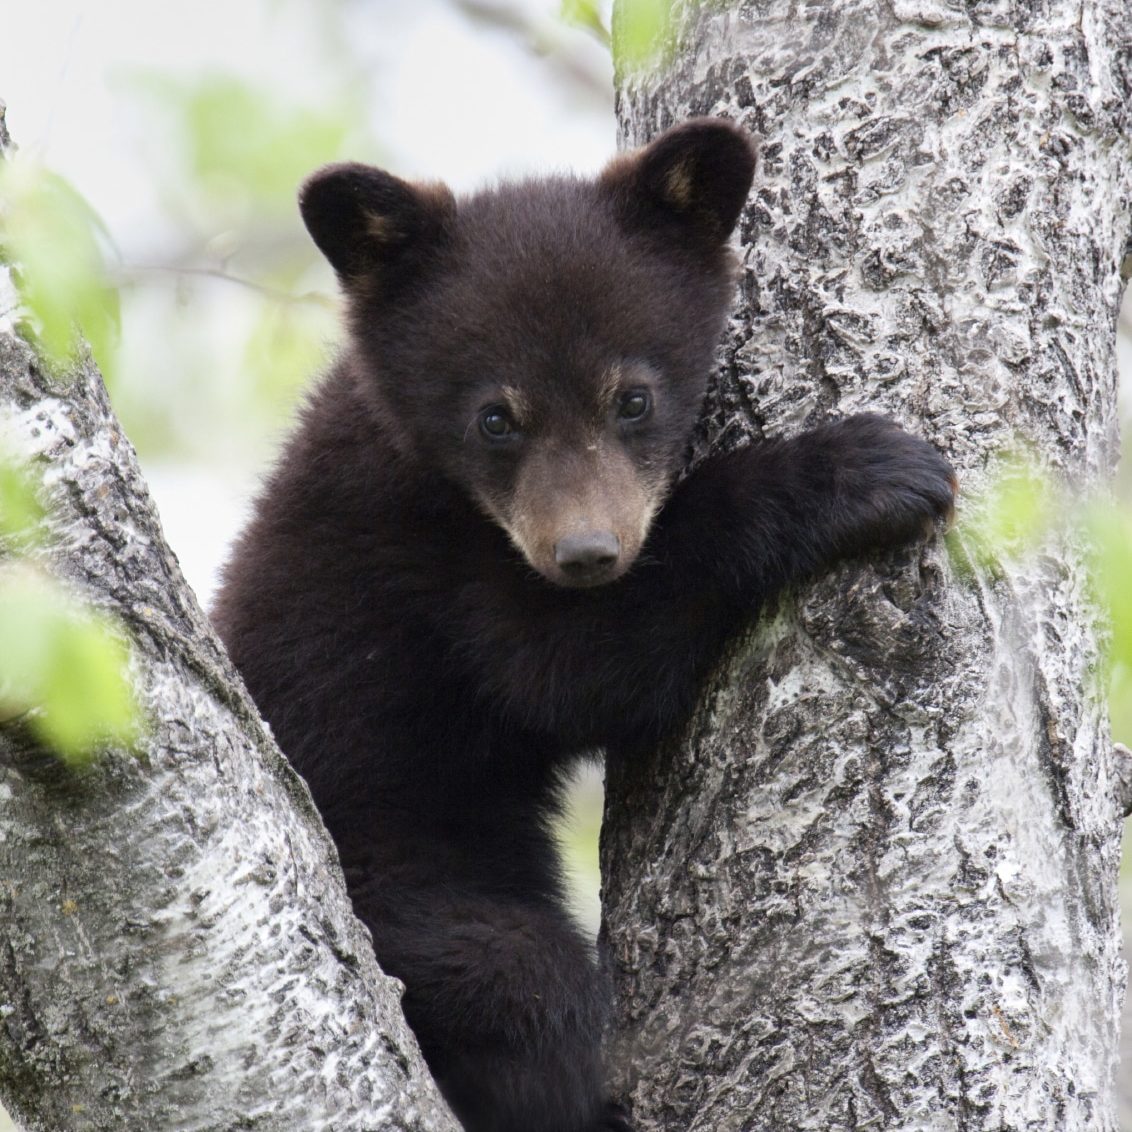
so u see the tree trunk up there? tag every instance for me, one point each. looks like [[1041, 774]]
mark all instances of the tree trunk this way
[[177, 949], [874, 884]]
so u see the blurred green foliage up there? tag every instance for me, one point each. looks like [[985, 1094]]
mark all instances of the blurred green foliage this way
[[285, 346], [1011, 518], [642, 34], [62, 665], [1110, 529], [577, 835], [20, 509], [58, 244], [242, 151], [587, 14], [246, 328]]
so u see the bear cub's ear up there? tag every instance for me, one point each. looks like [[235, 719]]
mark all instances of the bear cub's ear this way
[[368, 222], [696, 174]]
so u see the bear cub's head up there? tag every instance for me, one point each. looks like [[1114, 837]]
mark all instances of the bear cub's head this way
[[544, 344]]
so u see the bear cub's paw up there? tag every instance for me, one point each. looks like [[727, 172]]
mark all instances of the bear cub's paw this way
[[889, 487]]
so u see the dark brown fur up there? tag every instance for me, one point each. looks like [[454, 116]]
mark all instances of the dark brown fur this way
[[405, 609]]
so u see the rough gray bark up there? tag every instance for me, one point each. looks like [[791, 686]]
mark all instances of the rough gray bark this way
[[177, 949], [874, 886]]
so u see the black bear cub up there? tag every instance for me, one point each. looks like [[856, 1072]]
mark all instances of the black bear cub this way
[[474, 564]]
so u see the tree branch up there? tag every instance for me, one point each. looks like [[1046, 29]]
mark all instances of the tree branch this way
[[874, 884], [177, 949]]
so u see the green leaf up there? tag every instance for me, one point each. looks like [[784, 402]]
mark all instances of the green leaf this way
[[585, 14], [642, 34], [1110, 529], [55, 241], [20, 509], [1012, 515], [63, 666]]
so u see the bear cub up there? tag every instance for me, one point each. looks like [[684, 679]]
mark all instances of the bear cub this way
[[475, 563]]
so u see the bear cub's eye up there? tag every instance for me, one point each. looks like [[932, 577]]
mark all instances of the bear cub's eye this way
[[495, 423], [635, 405]]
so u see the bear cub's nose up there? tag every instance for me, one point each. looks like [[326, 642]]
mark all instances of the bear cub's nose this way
[[587, 555]]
